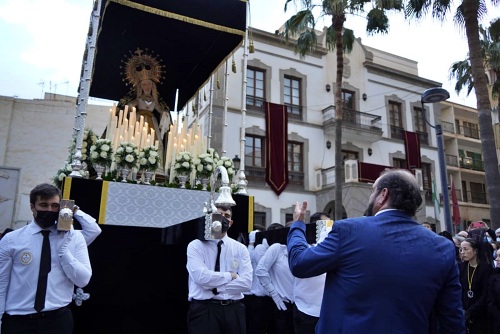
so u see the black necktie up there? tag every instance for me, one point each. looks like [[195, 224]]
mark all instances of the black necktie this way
[[41, 288], [217, 262]]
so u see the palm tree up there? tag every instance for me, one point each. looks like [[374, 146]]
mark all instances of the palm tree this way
[[468, 14], [341, 39], [490, 50]]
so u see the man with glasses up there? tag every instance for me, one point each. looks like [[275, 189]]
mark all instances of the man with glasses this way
[[219, 271]]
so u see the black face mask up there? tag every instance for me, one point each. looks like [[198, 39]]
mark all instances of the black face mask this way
[[46, 218]]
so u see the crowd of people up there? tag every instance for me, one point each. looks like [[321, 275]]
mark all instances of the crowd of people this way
[[380, 273]]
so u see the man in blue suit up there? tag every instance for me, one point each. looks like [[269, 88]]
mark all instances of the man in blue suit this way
[[385, 273]]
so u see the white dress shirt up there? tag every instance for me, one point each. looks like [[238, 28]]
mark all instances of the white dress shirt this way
[[308, 294], [20, 252], [256, 254], [273, 269], [90, 228], [234, 257]]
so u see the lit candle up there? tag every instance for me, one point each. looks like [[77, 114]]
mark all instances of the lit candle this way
[[131, 133]]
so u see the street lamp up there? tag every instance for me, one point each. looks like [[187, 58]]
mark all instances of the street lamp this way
[[434, 95]]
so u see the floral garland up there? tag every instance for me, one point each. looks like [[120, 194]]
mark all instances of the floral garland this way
[[149, 159], [101, 153], [204, 165], [126, 155], [228, 164], [184, 163]]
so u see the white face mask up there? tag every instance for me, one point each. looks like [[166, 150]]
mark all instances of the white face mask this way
[[498, 238]]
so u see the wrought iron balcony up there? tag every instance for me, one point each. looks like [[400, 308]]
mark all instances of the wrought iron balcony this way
[[469, 132], [471, 163], [255, 103], [360, 123]]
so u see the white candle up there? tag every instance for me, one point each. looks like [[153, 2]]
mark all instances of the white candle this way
[[156, 143], [132, 117], [120, 118], [172, 163], [141, 122], [131, 133]]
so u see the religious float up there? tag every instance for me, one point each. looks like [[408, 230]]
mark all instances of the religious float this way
[[150, 56]]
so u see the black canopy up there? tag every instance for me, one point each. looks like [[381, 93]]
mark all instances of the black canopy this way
[[191, 37]]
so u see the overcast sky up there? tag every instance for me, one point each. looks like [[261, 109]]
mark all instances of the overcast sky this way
[[43, 43]]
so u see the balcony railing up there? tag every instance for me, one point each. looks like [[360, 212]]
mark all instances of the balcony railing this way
[[255, 103], [258, 175], [448, 127], [397, 132], [353, 118], [451, 160], [259, 104], [294, 111], [475, 197], [424, 137], [467, 131], [471, 163]]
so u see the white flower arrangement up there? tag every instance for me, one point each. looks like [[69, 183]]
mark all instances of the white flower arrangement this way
[[89, 138], [204, 165], [184, 163], [213, 153], [228, 164], [101, 153], [126, 155], [65, 171], [149, 160]]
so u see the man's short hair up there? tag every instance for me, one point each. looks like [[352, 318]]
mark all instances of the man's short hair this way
[[316, 216], [225, 208], [404, 193], [44, 191]]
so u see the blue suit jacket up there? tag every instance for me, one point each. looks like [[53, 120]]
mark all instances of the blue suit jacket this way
[[385, 274]]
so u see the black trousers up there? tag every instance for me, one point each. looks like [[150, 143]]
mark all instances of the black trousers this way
[[58, 321], [213, 317], [303, 323], [259, 314], [283, 320]]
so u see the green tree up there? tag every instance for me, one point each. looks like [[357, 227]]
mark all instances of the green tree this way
[[467, 16], [490, 51], [302, 26]]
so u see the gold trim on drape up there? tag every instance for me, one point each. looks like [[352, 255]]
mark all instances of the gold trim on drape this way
[[67, 188], [250, 213], [104, 199], [178, 17]]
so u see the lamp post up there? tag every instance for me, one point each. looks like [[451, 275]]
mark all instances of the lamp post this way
[[434, 95]]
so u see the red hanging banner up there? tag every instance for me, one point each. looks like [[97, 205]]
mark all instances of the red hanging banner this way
[[412, 146], [276, 147]]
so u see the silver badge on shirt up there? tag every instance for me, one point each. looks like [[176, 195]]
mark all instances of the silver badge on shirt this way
[[26, 257]]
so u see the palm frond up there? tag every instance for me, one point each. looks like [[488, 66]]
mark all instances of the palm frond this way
[[461, 71]]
